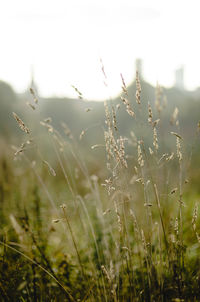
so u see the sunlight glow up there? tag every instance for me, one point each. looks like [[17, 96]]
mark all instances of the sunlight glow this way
[[64, 41]]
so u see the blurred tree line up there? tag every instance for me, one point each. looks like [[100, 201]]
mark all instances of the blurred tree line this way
[[81, 115]]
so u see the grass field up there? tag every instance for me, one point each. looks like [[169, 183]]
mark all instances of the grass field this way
[[122, 226]]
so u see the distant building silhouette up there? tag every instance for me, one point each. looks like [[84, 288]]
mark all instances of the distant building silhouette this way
[[179, 78], [138, 67]]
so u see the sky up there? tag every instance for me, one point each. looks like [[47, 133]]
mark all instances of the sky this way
[[63, 41]]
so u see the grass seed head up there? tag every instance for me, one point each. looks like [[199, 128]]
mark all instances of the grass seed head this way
[[150, 114], [178, 148], [138, 89], [21, 123], [140, 157], [51, 170], [155, 139]]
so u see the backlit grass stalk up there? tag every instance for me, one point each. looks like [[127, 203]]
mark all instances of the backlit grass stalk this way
[[73, 240]]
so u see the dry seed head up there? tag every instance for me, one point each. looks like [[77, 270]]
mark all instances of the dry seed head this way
[[155, 123], [194, 217], [106, 273], [114, 146], [173, 191], [114, 119], [144, 241], [20, 151], [21, 123], [198, 237], [174, 116], [150, 114], [88, 109], [28, 142], [103, 69], [43, 124], [138, 89], [48, 120], [176, 134], [172, 238], [178, 148], [164, 156], [133, 179], [140, 180], [109, 185], [30, 105], [151, 151], [158, 98], [128, 106], [32, 92], [134, 222], [175, 113], [140, 158], [176, 226], [122, 152], [170, 157], [56, 220], [67, 131], [106, 211], [112, 273], [113, 291], [109, 149], [124, 88], [49, 127], [108, 165], [51, 170], [155, 139], [118, 218], [147, 182], [82, 134], [134, 138], [148, 204], [107, 113], [17, 227], [78, 92], [35, 99], [94, 178], [14, 148], [96, 146], [63, 206], [125, 248]]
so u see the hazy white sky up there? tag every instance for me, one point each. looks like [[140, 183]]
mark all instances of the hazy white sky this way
[[64, 40]]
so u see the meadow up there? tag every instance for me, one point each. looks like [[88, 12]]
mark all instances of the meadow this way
[[115, 221]]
